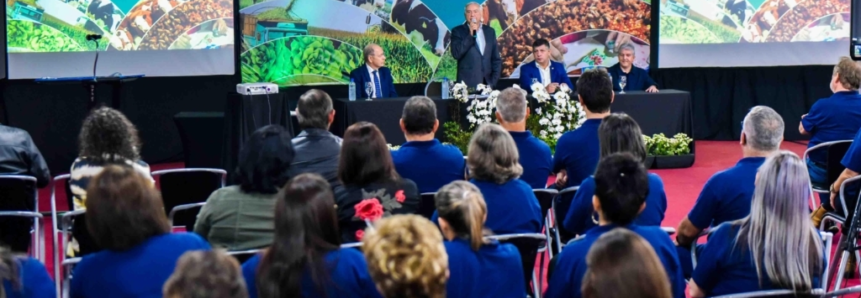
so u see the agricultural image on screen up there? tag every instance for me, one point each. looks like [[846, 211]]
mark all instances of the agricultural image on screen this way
[[753, 21], [126, 25], [307, 42]]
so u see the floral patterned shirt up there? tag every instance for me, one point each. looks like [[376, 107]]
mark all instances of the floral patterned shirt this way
[[356, 204]]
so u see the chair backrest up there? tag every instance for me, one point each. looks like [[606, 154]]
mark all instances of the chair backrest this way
[[775, 293], [835, 154], [17, 193], [545, 198], [843, 292], [427, 205], [243, 255], [527, 245], [561, 204], [188, 186], [827, 241]]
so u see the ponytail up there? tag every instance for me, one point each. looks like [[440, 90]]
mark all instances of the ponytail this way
[[476, 210], [461, 204]]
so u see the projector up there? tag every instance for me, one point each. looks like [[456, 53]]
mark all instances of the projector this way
[[256, 88]]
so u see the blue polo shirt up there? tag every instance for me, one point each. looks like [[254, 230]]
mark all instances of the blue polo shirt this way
[[727, 194], [429, 164], [347, 272], [35, 282], [495, 270], [832, 119], [535, 158], [571, 266], [852, 159], [578, 152], [578, 220], [638, 78], [724, 268], [511, 207]]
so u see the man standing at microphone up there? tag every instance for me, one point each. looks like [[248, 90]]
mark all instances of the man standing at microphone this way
[[474, 47]]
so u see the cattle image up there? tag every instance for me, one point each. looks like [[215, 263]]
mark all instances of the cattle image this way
[[414, 16]]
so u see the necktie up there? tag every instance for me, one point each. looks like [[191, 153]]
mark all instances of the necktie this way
[[377, 89]]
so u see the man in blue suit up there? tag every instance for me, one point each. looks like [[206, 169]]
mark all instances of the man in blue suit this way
[[549, 73], [375, 73], [474, 47]]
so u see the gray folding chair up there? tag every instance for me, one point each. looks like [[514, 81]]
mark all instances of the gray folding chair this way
[[65, 228], [188, 188], [352, 245], [68, 266], [427, 206], [823, 146], [243, 255], [527, 245], [827, 241], [21, 184], [557, 214], [843, 292], [844, 258], [774, 293], [55, 228]]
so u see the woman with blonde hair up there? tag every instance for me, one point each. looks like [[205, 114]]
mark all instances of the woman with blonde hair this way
[[624, 265], [206, 274], [472, 258], [406, 257]]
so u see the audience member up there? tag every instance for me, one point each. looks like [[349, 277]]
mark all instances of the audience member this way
[[618, 133], [316, 148], [621, 187], [852, 161], [577, 151], [125, 215], [372, 188], [473, 260], [621, 264], [423, 159], [775, 247], [240, 217], [19, 156], [494, 168], [206, 274], [24, 277], [406, 257], [726, 196], [305, 259], [535, 156]]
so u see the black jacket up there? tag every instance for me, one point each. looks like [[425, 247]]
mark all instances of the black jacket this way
[[317, 151], [473, 68], [19, 156]]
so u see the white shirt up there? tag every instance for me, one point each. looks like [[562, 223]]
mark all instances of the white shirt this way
[[479, 40], [373, 93], [545, 73]]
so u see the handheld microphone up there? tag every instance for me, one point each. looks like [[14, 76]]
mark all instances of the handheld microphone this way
[[472, 20]]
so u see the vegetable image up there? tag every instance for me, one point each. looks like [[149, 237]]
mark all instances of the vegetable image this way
[[280, 61], [27, 36], [685, 31]]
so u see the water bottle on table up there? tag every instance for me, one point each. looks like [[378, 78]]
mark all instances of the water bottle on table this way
[[445, 87], [352, 90]]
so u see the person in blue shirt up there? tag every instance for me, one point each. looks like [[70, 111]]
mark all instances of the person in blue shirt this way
[[24, 277], [618, 133], [473, 260], [375, 74], [549, 73], [775, 247], [206, 274], [621, 186], [535, 156], [423, 159], [727, 194], [624, 72], [623, 265], [126, 218], [305, 259], [577, 151], [852, 161]]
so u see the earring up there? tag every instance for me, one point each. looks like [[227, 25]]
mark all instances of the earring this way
[[594, 219]]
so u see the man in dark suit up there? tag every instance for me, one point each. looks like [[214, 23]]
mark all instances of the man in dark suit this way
[[375, 73], [549, 73], [474, 47]]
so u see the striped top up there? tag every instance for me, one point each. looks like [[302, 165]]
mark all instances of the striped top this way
[[83, 170]]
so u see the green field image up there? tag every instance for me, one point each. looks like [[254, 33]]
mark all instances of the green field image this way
[[75, 32], [419, 43], [683, 30], [29, 36], [30, 11], [447, 68], [281, 61]]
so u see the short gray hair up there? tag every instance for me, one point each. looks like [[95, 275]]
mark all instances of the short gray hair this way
[[313, 109], [627, 46], [470, 4], [511, 104], [369, 50], [763, 128], [493, 155]]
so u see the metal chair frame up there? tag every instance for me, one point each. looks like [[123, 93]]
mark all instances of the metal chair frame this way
[[182, 207], [37, 242], [804, 158], [536, 282], [770, 293]]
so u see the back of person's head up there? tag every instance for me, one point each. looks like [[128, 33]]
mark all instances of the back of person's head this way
[[623, 265], [783, 240], [621, 185], [620, 133], [419, 116], [595, 89], [493, 155], [763, 129], [107, 135], [849, 72], [9, 272], [365, 157], [511, 105], [306, 228], [406, 257], [206, 274], [123, 209], [264, 160], [314, 109], [462, 209]]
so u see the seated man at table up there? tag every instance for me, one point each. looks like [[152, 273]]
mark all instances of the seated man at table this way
[[535, 156], [423, 159], [375, 73], [317, 150], [549, 73], [577, 151], [625, 73]]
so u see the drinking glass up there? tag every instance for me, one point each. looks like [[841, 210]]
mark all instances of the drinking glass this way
[[369, 88], [623, 80]]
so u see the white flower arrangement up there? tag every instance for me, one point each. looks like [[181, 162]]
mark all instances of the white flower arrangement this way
[[559, 114], [460, 92], [480, 111]]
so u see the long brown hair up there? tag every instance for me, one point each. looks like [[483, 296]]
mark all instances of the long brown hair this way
[[623, 265], [365, 157], [462, 206]]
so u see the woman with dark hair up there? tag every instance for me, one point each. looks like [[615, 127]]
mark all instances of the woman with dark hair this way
[[617, 133], [621, 187], [623, 265], [305, 259], [126, 217], [24, 277], [371, 186], [240, 217], [471, 258]]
